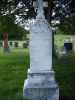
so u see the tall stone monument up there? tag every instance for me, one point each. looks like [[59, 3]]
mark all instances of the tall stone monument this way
[[40, 83]]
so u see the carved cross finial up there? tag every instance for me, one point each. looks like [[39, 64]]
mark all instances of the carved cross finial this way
[[40, 9], [40, 4]]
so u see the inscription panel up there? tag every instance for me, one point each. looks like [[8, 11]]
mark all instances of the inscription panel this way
[[40, 48]]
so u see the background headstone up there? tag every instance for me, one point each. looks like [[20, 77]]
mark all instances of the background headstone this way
[[68, 43], [25, 45], [11, 43], [69, 46], [16, 44], [67, 40]]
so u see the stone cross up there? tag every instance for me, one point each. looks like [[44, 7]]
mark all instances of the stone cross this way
[[40, 4]]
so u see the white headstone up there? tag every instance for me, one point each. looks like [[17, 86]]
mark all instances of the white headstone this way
[[40, 83], [40, 46], [67, 40]]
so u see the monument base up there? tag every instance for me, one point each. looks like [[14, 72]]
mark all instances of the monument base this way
[[41, 86]]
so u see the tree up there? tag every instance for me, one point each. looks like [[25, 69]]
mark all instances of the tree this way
[[58, 10], [7, 26]]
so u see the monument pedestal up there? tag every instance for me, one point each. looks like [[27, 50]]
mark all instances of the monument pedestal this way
[[41, 86]]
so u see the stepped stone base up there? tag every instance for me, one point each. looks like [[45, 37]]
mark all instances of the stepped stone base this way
[[41, 86]]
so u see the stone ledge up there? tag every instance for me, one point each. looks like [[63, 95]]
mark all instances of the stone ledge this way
[[40, 71]]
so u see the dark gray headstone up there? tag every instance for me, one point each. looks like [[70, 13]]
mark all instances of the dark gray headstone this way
[[68, 46], [10, 43], [16, 44], [25, 45]]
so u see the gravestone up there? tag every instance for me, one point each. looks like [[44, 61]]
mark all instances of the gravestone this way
[[16, 44], [11, 43], [1, 44], [68, 45], [40, 83], [25, 45], [67, 40], [27, 42]]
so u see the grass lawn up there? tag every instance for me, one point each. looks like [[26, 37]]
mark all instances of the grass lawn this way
[[13, 71], [65, 76]]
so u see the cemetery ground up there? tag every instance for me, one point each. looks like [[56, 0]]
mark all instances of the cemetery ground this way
[[13, 68], [13, 72]]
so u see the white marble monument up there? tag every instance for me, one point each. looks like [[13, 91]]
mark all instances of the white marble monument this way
[[40, 83]]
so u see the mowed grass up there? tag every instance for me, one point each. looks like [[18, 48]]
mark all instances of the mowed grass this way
[[13, 71]]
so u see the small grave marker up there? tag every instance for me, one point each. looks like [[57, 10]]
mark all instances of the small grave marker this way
[[16, 44], [10, 43]]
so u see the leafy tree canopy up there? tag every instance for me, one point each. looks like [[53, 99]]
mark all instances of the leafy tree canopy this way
[[7, 26], [61, 12]]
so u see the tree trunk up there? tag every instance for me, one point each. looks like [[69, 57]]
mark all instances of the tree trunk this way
[[49, 19], [53, 46], [6, 47]]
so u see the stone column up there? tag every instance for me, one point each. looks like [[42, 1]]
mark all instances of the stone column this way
[[40, 83]]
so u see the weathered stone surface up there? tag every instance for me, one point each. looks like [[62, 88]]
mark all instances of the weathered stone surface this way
[[41, 86], [11, 43], [40, 45]]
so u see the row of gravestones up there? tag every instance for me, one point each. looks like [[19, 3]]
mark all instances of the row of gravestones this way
[[68, 46], [16, 44]]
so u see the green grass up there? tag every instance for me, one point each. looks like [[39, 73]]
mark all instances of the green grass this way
[[65, 75], [13, 71]]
